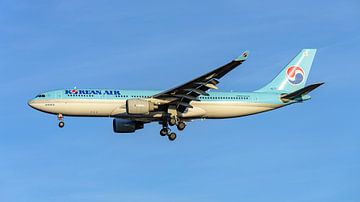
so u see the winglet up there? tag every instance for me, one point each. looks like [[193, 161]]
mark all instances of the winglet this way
[[243, 56]]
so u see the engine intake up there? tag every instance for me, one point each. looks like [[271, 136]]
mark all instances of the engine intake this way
[[139, 107], [126, 126]]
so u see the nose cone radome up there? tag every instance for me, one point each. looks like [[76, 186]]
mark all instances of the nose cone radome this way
[[34, 104], [31, 103]]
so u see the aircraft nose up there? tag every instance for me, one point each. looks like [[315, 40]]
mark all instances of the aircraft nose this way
[[31, 103]]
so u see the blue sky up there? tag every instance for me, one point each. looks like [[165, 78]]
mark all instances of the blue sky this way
[[306, 152]]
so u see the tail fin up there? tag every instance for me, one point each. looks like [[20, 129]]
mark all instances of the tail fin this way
[[294, 76]]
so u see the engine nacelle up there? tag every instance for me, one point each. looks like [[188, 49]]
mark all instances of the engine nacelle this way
[[126, 126], [139, 107]]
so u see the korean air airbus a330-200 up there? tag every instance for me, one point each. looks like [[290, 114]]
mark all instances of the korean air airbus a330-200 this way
[[132, 109]]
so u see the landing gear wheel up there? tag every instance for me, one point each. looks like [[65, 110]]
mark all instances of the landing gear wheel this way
[[172, 122], [164, 132], [172, 136], [181, 126], [61, 124]]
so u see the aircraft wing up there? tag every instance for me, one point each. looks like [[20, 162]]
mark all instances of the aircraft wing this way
[[182, 95]]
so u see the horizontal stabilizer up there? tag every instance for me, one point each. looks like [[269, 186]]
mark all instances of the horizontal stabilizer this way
[[300, 93]]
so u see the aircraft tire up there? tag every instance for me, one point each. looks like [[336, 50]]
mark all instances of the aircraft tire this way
[[172, 122], [172, 136], [164, 132], [61, 124], [181, 126]]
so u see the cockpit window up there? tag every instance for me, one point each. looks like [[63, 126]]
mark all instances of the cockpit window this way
[[42, 95]]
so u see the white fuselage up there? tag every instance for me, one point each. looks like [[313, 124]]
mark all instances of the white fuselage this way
[[117, 108], [112, 103]]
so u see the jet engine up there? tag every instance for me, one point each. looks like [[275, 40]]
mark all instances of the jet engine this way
[[139, 107], [126, 126]]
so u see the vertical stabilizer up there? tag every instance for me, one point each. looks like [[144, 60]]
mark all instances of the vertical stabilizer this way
[[294, 76]]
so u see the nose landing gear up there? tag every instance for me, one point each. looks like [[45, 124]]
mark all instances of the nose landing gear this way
[[61, 122]]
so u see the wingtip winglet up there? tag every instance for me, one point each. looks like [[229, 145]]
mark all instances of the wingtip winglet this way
[[243, 56]]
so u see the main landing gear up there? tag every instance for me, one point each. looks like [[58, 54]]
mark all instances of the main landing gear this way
[[181, 126], [61, 120], [166, 131]]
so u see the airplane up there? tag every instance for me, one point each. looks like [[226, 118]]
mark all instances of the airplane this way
[[196, 99]]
